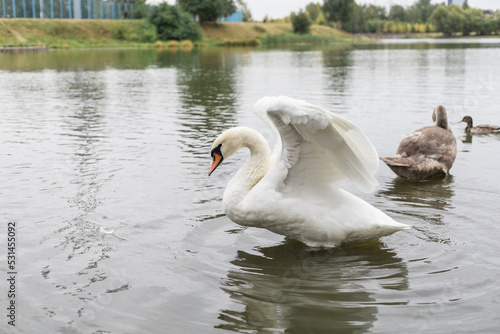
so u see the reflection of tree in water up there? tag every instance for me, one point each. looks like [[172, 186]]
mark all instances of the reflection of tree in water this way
[[454, 64], [292, 288], [422, 199], [337, 65], [65, 60], [207, 83]]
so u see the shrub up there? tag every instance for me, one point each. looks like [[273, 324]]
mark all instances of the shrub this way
[[173, 23], [240, 42], [186, 43], [375, 26], [301, 22], [259, 29], [120, 33], [173, 44], [487, 27], [147, 32]]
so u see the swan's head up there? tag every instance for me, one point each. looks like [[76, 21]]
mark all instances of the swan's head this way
[[228, 143], [440, 118]]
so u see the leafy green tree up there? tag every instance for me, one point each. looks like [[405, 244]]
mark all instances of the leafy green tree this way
[[357, 22], [140, 10], [338, 10], [398, 13], [173, 23], [301, 22], [360, 17], [208, 10], [321, 19], [375, 26], [314, 10], [456, 17], [426, 8], [421, 11], [472, 21], [247, 15], [448, 19], [487, 27], [375, 12]]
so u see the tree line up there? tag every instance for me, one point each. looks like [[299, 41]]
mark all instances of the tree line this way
[[421, 16], [177, 21]]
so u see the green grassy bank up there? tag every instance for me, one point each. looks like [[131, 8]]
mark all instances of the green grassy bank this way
[[122, 33], [71, 33], [256, 33]]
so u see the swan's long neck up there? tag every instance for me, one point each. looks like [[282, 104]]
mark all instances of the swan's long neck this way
[[440, 118], [254, 169]]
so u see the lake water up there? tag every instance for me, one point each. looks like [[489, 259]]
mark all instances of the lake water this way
[[104, 158]]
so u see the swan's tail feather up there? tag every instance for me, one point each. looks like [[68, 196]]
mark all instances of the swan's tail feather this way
[[395, 161]]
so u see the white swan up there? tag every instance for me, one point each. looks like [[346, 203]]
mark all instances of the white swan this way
[[296, 192]]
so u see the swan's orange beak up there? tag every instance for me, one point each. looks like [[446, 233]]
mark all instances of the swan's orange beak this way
[[216, 160]]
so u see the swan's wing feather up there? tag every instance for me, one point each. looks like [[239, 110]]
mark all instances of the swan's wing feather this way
[[316, 145], [428, 141]]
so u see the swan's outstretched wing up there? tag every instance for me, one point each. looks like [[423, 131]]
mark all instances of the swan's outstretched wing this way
[[316, 146]]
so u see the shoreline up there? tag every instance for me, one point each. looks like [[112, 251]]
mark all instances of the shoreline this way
[[34, 35], [23, 48]]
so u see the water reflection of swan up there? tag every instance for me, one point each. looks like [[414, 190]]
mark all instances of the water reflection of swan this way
[[432, 194], [427, 201], [293, 287]]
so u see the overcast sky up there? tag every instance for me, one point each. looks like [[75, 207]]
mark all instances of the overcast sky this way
[[281, 8]]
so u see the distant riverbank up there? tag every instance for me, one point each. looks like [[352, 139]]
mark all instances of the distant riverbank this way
[[19, 33]]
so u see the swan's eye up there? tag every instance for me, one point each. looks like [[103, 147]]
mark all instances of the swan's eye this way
[[216, 150]]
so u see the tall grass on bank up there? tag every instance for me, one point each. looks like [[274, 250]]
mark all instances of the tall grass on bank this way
[[295, 39], [242, 42]]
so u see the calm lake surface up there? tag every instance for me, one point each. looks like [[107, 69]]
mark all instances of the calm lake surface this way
[[104, 158]]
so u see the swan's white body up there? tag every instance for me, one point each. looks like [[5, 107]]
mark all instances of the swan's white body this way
[[296, 192]]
